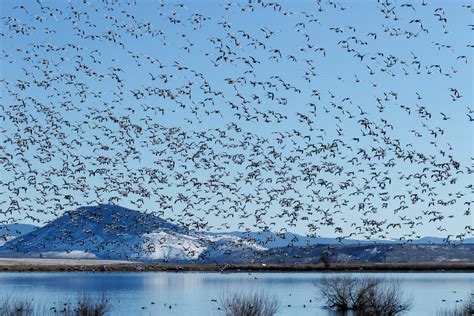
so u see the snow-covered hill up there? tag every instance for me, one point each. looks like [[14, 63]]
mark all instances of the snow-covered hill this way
[[113, 232]]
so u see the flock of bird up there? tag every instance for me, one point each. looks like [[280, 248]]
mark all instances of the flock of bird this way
[[248, 115]]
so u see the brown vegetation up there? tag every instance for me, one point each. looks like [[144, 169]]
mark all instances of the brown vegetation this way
[[366, 296], [84, 305], [250, 304], [455, 266], [15, 307]]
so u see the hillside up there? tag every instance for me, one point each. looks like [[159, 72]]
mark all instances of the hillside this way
[[12, 231], [113, 232], [372, 253]]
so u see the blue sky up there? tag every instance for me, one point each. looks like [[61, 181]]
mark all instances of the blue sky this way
[[399, 68]]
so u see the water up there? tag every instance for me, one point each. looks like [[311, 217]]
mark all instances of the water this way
[[190, 293]]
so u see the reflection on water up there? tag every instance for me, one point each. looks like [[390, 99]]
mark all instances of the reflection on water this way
[[187, 293]]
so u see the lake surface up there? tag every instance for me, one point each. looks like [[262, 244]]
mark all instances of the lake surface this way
[[192, 293]]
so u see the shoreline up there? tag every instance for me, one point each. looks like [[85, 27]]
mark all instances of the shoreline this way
[[123, 266]]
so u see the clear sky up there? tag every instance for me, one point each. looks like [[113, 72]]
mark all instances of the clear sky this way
[[288, 114]]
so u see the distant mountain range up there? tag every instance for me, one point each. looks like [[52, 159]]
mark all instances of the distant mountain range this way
[[274, 240], [114, 232]]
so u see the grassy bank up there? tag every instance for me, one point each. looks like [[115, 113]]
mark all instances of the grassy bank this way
[[137, 267]]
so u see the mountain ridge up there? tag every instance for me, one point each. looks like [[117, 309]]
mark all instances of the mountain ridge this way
[[114, 232]]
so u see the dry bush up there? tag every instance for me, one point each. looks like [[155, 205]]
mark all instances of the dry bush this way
[[83, 306], [251, 304], [383, 299], [344, 292], [366, 296], [86, 306], [15, 307]]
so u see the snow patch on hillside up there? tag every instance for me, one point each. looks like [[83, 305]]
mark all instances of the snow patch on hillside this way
[[163, 245], [74, 254]]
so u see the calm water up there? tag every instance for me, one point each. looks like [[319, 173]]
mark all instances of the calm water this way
[[192, 293]]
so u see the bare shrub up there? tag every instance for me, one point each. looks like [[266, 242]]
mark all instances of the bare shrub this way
[[87, 306], [251, 304], [344, 292], [15, 307], [366, 296], [383, 299], [83, 306], [467, 309]]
